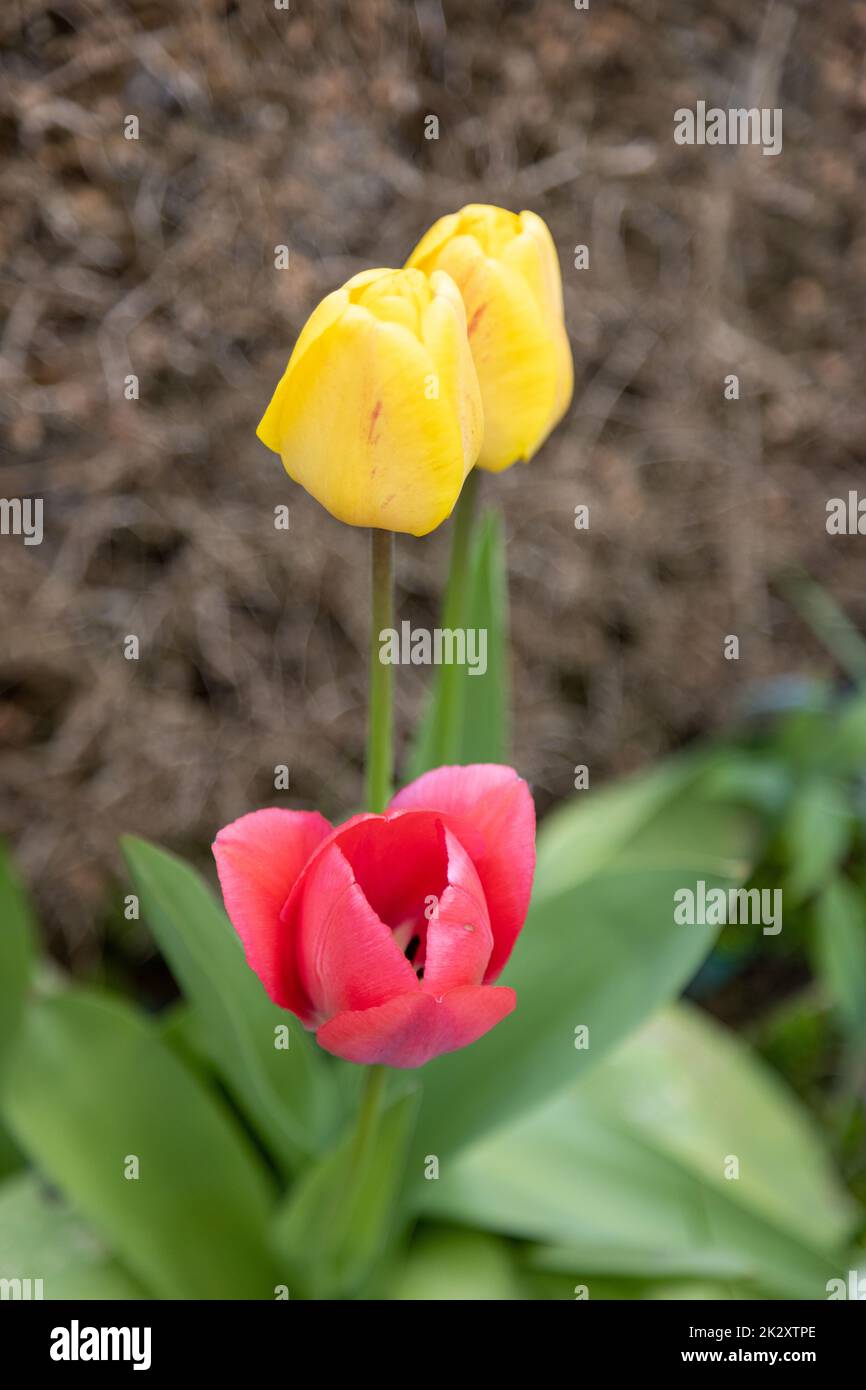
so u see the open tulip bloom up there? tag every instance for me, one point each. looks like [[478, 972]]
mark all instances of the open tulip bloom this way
[[387, 934]]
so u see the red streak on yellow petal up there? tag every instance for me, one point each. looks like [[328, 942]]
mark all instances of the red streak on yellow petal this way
[[476, 318], [377, 410]]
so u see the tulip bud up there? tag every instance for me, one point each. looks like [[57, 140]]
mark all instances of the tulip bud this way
[[506, 268], [378, 414]]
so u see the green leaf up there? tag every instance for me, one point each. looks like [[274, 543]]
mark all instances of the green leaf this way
[[456, 1265], [479, 733], [337, 1220], [89, 1085], [17, 938], [286, 1093], [547, 1271], [600, 948], [626, 1171], [816, 835], [484, 736], [180, 1027], [847, 736], [841, 950], [830, 623], [612, 1253], [585, 836], [754, 779], [41, 1238], [11, 1157]]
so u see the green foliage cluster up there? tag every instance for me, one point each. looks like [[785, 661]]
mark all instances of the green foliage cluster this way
[[610, 1137]]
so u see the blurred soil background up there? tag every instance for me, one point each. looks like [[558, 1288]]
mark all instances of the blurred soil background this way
[[261, 127]]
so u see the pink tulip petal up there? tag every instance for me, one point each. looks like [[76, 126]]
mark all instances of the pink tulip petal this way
[[400, 862], [259, 858], [412, 1028], [346, 956], [490, 810], [459, 939]]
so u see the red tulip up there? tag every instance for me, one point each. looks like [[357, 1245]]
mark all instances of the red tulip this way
[[386, 934]]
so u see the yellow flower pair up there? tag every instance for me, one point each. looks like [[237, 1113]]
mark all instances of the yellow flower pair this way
[[404, 380]]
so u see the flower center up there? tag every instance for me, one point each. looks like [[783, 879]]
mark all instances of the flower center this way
[[401, 865]]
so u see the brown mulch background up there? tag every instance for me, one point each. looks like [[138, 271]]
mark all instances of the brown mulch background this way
[[261, 127]]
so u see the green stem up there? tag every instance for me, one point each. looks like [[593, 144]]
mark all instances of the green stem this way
[[380, 716], [380, 764], [350, 1192], [368, 1120], [454, 614]]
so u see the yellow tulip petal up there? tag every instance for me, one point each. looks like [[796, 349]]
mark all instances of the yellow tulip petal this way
[[424, 255], [360, 432], [506, 267], [493, 228], [359, 282], [533, 254], [513, 352], [537, 231], [322, 318], [443, 333], [393, 309], [564, 375]]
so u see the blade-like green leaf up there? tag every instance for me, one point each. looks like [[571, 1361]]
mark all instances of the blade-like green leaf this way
[[338, 1218], [180, 1027], [90, 1087], [285, 1092], [486, 698], [680, 1154], [466, 720], [11, 1157], [539, 1274], [840, 914], [586, 836], [816, 834], [17, 936], [601, 950], [847, 736], [41, 1239]]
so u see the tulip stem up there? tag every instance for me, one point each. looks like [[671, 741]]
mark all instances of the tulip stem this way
[[380, 715], [454, 614], [351, 1192], [368, 1119]]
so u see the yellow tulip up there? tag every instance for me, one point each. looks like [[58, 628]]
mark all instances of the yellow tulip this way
[[378, 414], [507, 270]]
